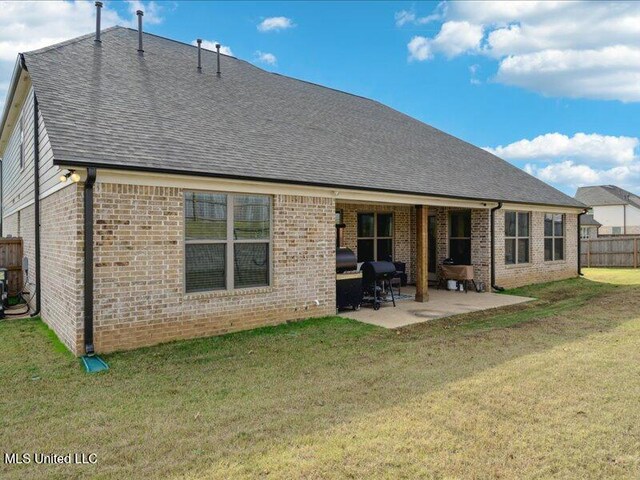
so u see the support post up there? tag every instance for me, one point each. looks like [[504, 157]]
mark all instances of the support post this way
[[422, 253]]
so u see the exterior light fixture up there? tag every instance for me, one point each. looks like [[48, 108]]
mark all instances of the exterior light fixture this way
[[75, 177]]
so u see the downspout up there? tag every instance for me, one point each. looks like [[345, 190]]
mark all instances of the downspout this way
[[36, 192], [493, 248], [580, 274], [88, 260]]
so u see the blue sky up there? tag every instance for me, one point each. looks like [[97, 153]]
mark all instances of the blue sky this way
[[558, 87]]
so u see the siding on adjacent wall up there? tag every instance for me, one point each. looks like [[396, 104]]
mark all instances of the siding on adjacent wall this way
[[18, 186], [139, 270], [61, 253], [21, 224], [18, 183], [537, 270]]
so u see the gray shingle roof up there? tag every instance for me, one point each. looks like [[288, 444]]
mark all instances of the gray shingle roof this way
[[587, 220], [606, 195], [108, 106]]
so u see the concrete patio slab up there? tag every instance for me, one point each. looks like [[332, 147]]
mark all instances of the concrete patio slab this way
[[442, 303]]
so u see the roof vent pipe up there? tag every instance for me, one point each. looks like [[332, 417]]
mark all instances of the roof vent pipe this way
[[139, 13], [218, 52], [98, 8], [199, 41]]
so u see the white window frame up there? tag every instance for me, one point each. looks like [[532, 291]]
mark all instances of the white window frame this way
[[375, 237], [553, 237], [585, 233], [517, 237], [229, 243]]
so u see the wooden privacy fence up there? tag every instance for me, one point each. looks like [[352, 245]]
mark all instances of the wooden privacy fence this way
[[11, 259], [610, 252]]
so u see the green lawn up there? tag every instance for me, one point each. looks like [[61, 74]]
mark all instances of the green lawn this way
[[619, 276], [548, 389]]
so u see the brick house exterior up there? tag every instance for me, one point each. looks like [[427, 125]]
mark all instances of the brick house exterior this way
[[139, 245], [139, 270]]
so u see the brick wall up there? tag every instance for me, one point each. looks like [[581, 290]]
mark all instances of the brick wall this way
[[139, 266], [480, 241], [61, 237], [139, 270], [10, 225], [537, 270], [403, 229]]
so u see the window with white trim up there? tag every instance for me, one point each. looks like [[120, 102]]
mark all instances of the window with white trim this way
[[375, 237], [516, 237], [554, 229], [227, 241]]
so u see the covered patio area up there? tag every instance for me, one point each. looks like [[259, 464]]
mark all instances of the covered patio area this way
[[442, 303], [418, 239]]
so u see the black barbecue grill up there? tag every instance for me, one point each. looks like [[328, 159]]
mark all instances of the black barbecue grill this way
[[376, 282], [348, 280]]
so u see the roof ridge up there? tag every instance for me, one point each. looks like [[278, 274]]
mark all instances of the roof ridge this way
[[180, 42], [276, 106], [70, 41]]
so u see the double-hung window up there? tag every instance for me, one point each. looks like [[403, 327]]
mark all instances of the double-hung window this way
[[227, 241], [516, 237], [554, 236], [460, 236], [375, 237]]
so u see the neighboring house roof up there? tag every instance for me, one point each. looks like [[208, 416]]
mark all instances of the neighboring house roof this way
[[601, 195], [587, 220], [107, 106]]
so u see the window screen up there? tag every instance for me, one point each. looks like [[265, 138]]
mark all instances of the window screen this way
[[227, 241], [460, 237], [375, 237], [554, 228], [516, 237]]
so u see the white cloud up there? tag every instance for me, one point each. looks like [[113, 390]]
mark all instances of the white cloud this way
[[419, 48], [578, 49], [275, 24], [211, 45], [582, 159], [404, 17], [592, 147], [570, 175], [610, 73], [268, 58], [453, 39], [152, 12], [26, 26], [473, 70]]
